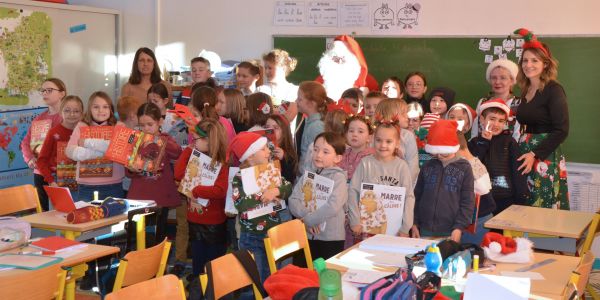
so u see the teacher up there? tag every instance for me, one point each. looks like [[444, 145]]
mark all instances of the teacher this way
[[544, 118], [144, 73]]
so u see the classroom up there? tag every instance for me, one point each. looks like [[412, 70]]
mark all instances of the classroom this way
[[338, 149]]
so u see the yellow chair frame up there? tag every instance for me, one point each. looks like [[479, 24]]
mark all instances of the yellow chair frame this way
[[284, 239], [231, 276], [138, 266]]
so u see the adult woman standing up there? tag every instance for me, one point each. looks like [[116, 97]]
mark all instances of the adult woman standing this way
[[544, 118], [144, 73], [501, 74]]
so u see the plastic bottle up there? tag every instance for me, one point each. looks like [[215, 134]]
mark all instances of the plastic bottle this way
[[330, 281], [433, 259]]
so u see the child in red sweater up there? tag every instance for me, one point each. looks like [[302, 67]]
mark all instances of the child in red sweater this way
[[71, 109], [206, 212], [161, 187]]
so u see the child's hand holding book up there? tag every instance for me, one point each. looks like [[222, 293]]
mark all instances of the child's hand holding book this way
[[269, 195]]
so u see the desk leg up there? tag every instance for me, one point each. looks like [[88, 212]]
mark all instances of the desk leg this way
[[140, 228], [589, 239], [71, 235], [77, 272]]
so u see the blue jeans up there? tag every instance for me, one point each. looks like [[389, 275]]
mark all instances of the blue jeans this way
[[480, 231], [254, 242], [86, 192]]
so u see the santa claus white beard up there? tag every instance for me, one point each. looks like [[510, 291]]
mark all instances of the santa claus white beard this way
[[338, 77]]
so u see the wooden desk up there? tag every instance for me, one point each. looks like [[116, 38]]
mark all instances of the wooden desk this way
[[556, 274], [54, 220], [519, 219], [77, 262]]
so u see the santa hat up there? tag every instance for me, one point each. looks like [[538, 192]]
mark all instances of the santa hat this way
[[245, 144], [499, 243], [531, 40], [506, 249], [471, 114], [442, 138], [354, 47], [498, 103], [341, 105], [286, 282], [509, 65]]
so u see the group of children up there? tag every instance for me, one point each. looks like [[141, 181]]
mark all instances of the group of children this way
[[377, 139]]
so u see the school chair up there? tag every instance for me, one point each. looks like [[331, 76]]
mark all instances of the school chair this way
[[137, 266], [164, 287], [229, 275], [19, 198], [581, 275], [591, 234], [284, 239], [44, 283]]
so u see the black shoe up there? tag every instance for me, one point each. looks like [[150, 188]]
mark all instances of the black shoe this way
[[87, 282], [178, 270]]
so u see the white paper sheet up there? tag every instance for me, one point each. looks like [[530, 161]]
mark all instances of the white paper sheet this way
[[492, 287]]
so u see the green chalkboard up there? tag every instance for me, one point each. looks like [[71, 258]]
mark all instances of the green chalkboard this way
[[458, 63]]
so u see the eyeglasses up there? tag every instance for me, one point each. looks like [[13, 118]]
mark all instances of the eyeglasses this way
[[47, 90], [74, 112]]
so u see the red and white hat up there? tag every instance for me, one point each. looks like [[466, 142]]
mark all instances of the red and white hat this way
[[245, 144], [498, 103], [442, 138], [354, 47], [471, 113], [429, 119]]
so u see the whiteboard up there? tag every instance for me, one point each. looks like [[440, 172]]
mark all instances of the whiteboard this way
[[86, 60]]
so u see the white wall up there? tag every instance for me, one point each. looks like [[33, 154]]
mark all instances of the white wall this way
[[241, 29], [138, 28]]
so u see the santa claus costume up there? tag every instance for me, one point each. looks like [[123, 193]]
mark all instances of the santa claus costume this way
[[344, 66]]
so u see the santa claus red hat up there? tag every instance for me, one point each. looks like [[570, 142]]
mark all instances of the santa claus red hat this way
[[471, 113], [245, 144], [498, 103], [442, 138], [499, 243], [354, 47]]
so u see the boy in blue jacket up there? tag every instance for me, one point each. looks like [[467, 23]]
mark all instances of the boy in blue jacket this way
[[444, 195]]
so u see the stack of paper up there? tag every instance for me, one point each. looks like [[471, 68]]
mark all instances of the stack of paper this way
[[394, 244]]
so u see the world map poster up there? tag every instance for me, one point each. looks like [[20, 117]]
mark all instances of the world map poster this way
[[13, 128], [25, 55]]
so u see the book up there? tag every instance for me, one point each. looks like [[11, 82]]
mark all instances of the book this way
[[229, 206], [259, 178], [66, 168], [316, 189], [199, 171], [55, 244], [99, 167], [27, 261], [137, 150], [381, 208], [39, 130]]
